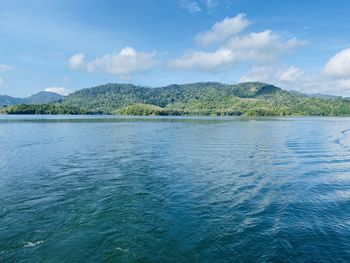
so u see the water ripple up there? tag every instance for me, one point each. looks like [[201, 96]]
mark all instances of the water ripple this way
[[174, 189]]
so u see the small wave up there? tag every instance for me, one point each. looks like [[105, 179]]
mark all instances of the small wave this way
[[121, 250], [33, 244], [345, 131], [341, 140]]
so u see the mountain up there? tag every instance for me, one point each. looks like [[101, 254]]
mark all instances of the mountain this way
[[207, 98], [109, 97], [203, 98], [38, 98], [8, 100], [316, 95], [43, 97]]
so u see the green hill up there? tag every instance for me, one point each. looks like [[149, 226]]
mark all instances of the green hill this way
[[38, 98], [43, 97], [208, 98]]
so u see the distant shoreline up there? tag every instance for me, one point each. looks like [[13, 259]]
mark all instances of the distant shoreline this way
[[168, 115]]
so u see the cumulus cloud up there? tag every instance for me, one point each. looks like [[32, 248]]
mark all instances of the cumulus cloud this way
[[261, 74], [123, 64], [333, 79], [290, 74], [338, 66], [77, 61], [282, 76], [294, 78], [4, 67], [222, 30], [58, 90], [335, 76], [1, 82], [234, 47], [191, 7], [259, 48], [262, 47], [207, 61], [321, 83]]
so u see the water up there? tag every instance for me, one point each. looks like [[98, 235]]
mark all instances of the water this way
[[108, 189]]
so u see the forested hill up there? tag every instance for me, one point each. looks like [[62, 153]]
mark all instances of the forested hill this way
[[115, 96], [38, 98], [209, 98], [119, 95]]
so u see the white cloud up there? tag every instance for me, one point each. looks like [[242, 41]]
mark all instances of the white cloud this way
[[260, 73], [321, 83], [290, 74], [192, 7], [207, 61], [345, 83], [58, 90], [262, 47], [294, 78], [4, 67], [212, 3], [222, 30], [281, 76], [338, 66], [77, 61], [335, 76], [1, 82], [259, 48], [123, 64]]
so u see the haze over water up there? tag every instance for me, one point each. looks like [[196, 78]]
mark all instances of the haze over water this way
[[183, 189]]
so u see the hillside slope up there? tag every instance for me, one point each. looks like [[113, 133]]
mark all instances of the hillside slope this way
[[207, 98], [110, 97]]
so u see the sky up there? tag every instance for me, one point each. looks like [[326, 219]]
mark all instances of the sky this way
[[66, 45]]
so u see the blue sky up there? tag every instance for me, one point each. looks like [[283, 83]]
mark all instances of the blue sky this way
[[67, 45]]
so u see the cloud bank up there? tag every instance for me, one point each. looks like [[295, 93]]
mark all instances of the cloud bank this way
[[273, 74], [258, 48], [222, 30], [338, 66], [123, 64]]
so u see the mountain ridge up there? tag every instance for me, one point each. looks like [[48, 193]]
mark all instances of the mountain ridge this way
[[119, 95], [200, 98], [37, 98]]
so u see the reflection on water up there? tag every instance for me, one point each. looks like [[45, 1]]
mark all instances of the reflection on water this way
[[174, 189]]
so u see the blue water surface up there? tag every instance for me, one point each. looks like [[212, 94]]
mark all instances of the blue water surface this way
[[174, 189]]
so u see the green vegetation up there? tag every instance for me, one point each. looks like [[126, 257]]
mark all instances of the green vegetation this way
[[41, 109], [140, 109], [210, 98]]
